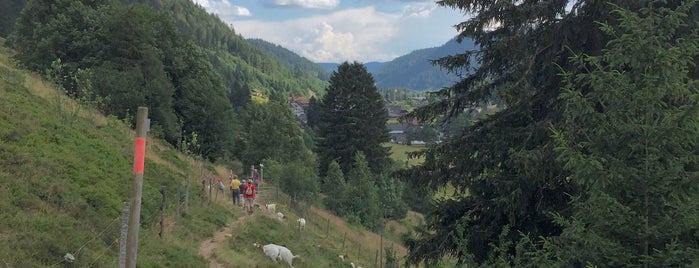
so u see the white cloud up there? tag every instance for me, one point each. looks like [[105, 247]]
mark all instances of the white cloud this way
[[419, 10], [352, 34], [240, 11], [355, 34], [314, 4]]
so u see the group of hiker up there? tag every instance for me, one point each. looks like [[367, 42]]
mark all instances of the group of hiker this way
[[244, 190]]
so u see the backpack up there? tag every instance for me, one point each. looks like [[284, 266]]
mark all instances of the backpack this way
[[248, 190]]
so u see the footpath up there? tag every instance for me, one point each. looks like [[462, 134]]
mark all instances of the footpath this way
[[206, 247]]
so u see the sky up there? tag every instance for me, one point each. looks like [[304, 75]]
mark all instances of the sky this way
[[341, 30]]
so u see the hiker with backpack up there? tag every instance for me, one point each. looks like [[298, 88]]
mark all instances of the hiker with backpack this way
[[249, 195]]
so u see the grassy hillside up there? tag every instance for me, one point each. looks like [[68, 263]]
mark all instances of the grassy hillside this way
[[66, 171]]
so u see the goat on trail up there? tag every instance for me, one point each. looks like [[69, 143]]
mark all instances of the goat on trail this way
[[271, 207]]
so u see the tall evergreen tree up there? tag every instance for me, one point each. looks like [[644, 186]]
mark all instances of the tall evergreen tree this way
[[629, 138], [362, 193], [503, 167], [312, 113], [353, 119], [335, 187], [391, 197]]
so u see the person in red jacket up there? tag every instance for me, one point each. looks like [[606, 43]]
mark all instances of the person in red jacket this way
[[249, 195]]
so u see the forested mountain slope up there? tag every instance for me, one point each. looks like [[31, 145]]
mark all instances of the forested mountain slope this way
[[415, 71], [249, 64], [298, 64], [190, 68]]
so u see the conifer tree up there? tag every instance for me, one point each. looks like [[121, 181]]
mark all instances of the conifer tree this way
[[335, 188], [362, 198], [391, 197], [312, 113], [503, 168], [629, 139], [353, 119]]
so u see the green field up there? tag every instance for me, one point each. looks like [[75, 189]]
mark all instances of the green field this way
[[399, 153]]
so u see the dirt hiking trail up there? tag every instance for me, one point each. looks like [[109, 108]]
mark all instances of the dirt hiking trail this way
[[206, 248]]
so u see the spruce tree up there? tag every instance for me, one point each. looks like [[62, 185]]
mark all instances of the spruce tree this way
[[335, 188], [353, 119], [629, 139], [363, 197], [503, 168]]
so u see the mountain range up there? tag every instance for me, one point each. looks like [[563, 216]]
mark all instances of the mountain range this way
[[413, 71]]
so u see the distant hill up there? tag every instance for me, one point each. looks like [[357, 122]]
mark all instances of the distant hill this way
[[414, 71], [331, 67], [291, 60], [373, 65]]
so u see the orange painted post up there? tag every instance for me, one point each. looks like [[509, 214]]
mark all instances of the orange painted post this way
[[137, 186]]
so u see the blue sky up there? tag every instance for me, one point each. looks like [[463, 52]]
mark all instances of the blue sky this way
[[341, 30]]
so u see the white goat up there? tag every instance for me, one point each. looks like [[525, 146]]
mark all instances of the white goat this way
[[271, 207], [286, 255], [302, 223], [342, 257], [271, 250], [280, 216]]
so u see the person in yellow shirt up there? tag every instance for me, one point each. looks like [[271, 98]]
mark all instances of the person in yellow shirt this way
[[235, 191]]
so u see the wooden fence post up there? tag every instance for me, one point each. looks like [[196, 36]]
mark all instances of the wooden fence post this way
[[376, 259], [186, 198], [343, 242], [163, 191], [124, 233], [142, 126], [210, 191], [202, 193], [381, 252], [177, 203]]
